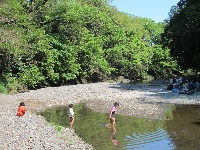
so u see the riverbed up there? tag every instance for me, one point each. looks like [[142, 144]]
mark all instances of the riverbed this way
[[143, 101]]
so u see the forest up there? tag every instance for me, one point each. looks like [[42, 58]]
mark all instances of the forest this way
[[59, 42]]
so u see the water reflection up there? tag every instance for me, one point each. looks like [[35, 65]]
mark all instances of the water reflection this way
[[113, 134], [181, 132], [184, 128]]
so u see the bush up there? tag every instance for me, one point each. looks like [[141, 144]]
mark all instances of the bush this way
[[9, 84], [3, 89]]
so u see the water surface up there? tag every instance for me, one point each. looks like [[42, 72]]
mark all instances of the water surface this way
[[180, 132]]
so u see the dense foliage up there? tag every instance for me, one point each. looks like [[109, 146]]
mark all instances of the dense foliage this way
[[52, 43], [182, 33]]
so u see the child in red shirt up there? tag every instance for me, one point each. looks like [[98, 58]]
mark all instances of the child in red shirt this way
[[21, 109]]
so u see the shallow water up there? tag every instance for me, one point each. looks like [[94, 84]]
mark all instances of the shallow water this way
[[180, 132]]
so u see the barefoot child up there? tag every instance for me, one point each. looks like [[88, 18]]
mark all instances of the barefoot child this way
[[21, 109], [71, 115], [112, 113]]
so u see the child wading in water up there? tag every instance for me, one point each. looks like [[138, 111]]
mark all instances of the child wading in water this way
[[71, 115], [112, 114], [21, 109]]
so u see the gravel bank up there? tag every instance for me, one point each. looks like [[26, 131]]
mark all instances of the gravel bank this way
[[33, 132]]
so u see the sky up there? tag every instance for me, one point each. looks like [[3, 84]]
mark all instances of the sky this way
[[156, 10]]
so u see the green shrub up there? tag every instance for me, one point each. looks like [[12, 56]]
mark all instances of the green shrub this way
[[10, 84], [3, 89]]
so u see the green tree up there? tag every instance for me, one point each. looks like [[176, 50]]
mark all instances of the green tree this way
[[162, 64], [77, 26], [182, 34], [51, 43]]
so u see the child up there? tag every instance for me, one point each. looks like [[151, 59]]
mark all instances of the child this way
[[112, 113], [21, 109], [71, 115]]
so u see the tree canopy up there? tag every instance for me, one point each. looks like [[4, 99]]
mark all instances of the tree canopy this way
[[182, 34], [52, 43]]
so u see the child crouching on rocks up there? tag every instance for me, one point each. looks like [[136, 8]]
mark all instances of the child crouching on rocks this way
[[21, 109], [71, 115]]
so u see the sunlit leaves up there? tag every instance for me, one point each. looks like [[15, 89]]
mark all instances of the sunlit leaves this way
[[63, 41]]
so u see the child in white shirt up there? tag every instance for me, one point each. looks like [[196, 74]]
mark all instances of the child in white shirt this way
[[71, 115]]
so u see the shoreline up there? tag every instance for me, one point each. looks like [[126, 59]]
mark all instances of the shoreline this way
[[136, 100]]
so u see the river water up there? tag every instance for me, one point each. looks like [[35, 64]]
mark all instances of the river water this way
[[181, 131]]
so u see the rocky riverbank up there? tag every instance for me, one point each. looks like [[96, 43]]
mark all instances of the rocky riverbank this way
[[33, 132]]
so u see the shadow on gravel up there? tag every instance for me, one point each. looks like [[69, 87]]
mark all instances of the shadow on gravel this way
[[196, 123], [157, 92], [136, 86], [122, 86]]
